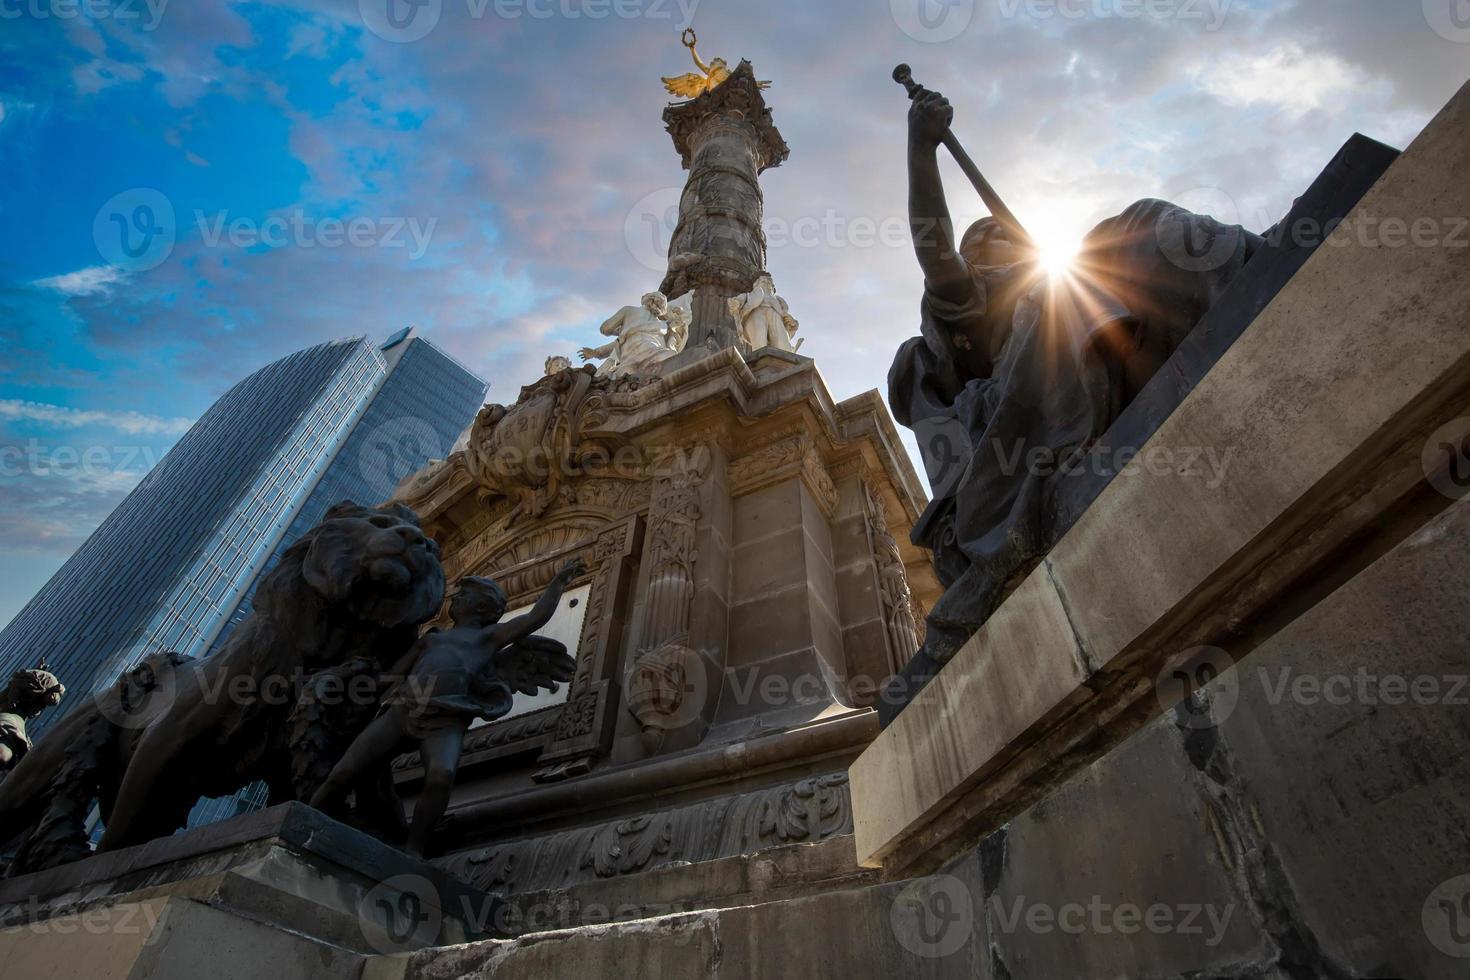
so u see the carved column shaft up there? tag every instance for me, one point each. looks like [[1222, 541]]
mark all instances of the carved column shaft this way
[[676, 662], [726, 139]]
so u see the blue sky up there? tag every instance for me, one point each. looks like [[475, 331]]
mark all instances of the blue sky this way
[[299, 170]]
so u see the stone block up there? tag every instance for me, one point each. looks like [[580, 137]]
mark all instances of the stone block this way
[[770, 563], [1351, 737], [1122, 873], [288, 866], [985, 699]]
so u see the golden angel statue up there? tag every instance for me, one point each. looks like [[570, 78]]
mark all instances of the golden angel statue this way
[[710, 76]]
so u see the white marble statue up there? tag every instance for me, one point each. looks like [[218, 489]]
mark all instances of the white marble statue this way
[[764, 318], [644, 336]]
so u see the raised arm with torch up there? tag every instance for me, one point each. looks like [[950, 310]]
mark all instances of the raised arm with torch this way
[[934, 112]]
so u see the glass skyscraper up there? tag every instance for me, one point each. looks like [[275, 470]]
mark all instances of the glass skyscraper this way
[[173, 567]]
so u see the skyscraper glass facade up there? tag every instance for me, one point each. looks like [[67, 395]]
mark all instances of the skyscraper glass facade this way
[[125, 586], [174, 566], [426, 402]]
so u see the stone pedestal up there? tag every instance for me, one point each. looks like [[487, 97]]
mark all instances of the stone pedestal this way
[[1326, 448], [751, 584], [285, 893]]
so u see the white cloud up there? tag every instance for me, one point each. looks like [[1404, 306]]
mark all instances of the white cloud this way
[[132, 423], [1287, 77], [85, 282]]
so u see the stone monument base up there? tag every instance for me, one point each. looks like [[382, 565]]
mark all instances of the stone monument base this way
[[285, 893]]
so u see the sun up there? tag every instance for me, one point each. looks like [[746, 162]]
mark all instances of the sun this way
[[1057, 254], [1057, 232]]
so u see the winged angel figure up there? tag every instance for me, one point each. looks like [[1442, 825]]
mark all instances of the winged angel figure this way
[[454, 677], [709, 77]]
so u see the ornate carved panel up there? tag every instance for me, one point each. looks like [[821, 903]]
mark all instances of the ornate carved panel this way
[[807, 811]]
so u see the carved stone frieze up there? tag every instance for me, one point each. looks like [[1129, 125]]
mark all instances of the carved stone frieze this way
[[810, 810], [780, 460], [534, 452], [629, 846]]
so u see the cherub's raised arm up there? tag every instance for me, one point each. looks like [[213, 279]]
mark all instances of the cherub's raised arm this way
[[523, 626]]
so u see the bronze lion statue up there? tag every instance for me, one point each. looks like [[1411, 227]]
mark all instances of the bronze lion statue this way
[[346, 600]]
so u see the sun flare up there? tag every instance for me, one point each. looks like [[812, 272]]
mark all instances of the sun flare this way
[[1057, 254]]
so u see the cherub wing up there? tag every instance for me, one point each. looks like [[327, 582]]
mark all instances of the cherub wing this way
[[534, 664], [688, 86]]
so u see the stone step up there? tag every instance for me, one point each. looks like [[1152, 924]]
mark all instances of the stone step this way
[[862, 929]]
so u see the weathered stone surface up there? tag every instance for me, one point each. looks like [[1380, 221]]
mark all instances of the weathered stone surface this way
[[866, 931], [988, 698], [810, 810], [1120, 875], [1351, 740], [288, 866]]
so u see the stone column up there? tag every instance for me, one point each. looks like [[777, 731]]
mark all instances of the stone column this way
[[726, 139]]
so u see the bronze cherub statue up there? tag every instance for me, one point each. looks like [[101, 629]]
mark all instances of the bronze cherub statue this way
[[451, 679]]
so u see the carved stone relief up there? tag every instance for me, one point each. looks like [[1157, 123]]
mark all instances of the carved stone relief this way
[[656, 683], [813, 809], [899, 616]]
